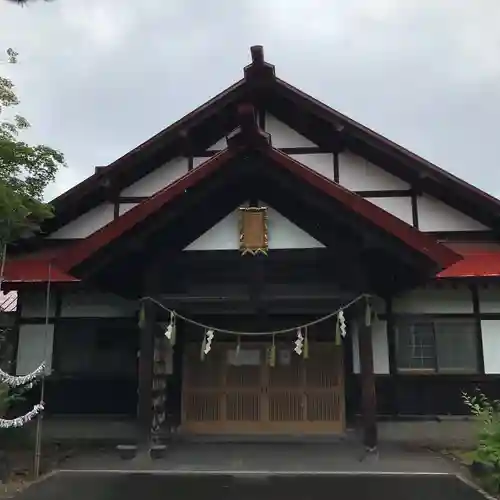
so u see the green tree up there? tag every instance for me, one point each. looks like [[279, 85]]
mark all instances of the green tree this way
[[25, 170]]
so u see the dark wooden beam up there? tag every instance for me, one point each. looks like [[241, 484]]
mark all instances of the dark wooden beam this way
[[146, 351], [477, 320], [336, 167], [465, 236], [392, 354], [185, 300], [187, 148], [385, 193], [368, 392]]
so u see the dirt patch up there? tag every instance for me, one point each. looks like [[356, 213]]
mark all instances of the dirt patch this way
[[21, 463]]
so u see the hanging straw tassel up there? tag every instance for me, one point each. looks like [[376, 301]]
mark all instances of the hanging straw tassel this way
[[338, 335], [306, 343], [203, 347]]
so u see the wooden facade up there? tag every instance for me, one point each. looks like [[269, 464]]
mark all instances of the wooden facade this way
[[238, 393]]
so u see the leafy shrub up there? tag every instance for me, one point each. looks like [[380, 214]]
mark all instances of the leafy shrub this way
[[487, 452]]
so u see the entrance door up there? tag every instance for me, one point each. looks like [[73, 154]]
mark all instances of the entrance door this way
[[238, 393]]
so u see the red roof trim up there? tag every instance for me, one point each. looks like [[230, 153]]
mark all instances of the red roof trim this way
[[33, 270], [81, 250], [474, 265], [412, 237]]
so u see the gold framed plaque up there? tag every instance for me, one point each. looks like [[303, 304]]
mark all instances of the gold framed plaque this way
[[253, 230]]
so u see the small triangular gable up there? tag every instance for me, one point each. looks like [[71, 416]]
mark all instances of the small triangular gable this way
[[283, 234]]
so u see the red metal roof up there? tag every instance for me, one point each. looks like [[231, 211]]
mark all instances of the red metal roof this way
[[474, 265], [31, 270]]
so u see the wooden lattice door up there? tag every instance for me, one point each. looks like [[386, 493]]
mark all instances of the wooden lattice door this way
[[239, 394]]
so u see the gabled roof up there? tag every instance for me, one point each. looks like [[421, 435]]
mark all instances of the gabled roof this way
[[250, 138], [62, 260], [261, 87]]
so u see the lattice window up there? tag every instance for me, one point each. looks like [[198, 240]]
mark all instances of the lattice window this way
[[437, 345]]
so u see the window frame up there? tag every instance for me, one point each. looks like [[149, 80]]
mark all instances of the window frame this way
[[410, 320]]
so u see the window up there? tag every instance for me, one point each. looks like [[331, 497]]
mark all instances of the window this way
[[434, 345]]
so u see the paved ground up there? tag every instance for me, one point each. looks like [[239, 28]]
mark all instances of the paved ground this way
[[186, 486], [276, 457], [248, 471]]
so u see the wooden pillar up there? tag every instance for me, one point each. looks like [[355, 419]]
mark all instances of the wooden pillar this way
[[145, 392], [368, 394]]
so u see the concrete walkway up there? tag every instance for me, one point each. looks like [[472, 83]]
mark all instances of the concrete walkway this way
[[276, 457], [253, 471]]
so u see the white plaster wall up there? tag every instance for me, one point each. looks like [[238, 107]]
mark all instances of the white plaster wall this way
[[319, 162], [220, 144], [283, 234], [399, 207], [282, 136], [34, 346], [489, 300], [433, 215], [198, 160], [33, 304], [158, 178], [222, 236], [125, 207], [358, 174], [380, 348], [96, 305], [491, 345], [87, 224], [434, 301]]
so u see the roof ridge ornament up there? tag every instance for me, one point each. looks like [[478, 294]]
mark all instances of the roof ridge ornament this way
[[248, 132], [259, 71]]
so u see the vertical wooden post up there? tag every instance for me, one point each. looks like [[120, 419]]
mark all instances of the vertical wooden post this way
[[392, 348], [145, 405], [368, 394]]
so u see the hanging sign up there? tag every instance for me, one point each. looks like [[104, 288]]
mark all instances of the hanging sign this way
[[253, 230]]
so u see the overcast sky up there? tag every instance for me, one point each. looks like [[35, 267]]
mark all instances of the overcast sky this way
[[98, 77]]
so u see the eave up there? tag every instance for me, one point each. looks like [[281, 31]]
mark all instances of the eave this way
[[250, 138]]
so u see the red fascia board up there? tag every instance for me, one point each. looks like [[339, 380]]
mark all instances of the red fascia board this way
[[420, 242], [33, 270], [474, 265], [81, 250], [442, 255]]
